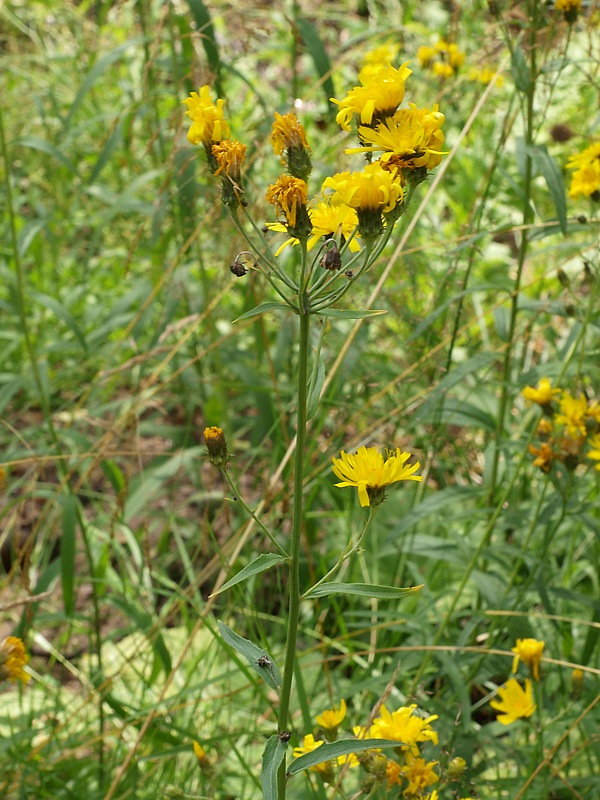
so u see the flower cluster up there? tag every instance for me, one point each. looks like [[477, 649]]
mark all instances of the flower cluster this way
[[210, 129], [406, 771], [13, 659], [586, 173], [443, 60], [569, 431], [516, 701], [371, 475]]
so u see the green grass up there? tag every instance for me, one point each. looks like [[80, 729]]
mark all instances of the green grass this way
[[118, 347]]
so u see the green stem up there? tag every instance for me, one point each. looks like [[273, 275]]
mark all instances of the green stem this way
[[294, 567], [248, 510]]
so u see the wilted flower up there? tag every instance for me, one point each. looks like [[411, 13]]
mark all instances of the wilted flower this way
[[515, 702], [288, 136], [289, 196], [529, 651], [230, 156], [544, 456], [367, 470]]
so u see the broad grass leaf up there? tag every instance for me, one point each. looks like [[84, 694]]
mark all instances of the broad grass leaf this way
[[550, 172], [316, 49], [206, 30], [260, 564], [62, 312], [273, 755], [67, 552], [254, 655], [149, 627], [37, 143], [364, 590], [344, 747]]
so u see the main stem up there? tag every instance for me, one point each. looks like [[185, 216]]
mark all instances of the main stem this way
[[294, 575]]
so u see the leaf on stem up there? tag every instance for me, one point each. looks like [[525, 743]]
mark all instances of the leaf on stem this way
[[260, 564], [273, 755], [363, 590], [259, 659]]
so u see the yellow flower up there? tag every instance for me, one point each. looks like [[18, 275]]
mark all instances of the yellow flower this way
[[456, 57], [419, 774], [442, 70], [542, 394], [426, 54], [373, 189], [288, 136], [378, 97], [573, 413], [327, 219], [484, 75], [515, 702], [289, 195], [570, 9], [208, 120], [594, 453], [405, 726], [376, 60], [367, 470], [529, 651], [216, 444], [12, 660], [199, 751], [230, 155], [586, 177], [393, 773], [412, 138], [331, 718], [544, 456]]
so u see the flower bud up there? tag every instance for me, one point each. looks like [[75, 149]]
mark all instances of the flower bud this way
[[216, 445]]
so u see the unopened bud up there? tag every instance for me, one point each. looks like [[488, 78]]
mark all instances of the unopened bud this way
[[216, 445], [456, 768], [577, 682]]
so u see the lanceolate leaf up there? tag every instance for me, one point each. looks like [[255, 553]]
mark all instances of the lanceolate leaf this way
[[363, 590], [550, 171], [341, 313], [260, 564], [259, 660], [341, 748], [273, 755], [262, 309]]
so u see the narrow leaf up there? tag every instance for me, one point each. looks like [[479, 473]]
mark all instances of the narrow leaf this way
[[67, 553], [209, 40], [63, 313], [37, 143], [262, 309], [363, 590], [550, 172], [520, 69], [273, 755], [341, 748], [316, 49], [340, 313], [260, 564], [259, 659]]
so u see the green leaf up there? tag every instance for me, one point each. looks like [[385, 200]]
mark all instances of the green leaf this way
[[113, 474], [317, 379], [148, 626], [63, 313], [259, 659], [273, 755], [314, 45], [36, 143], [67, 552], [363, 590], [209, 41], [550, 172], [262, 309], [260, 564], [338, 313], [341, 748], [520, 69]]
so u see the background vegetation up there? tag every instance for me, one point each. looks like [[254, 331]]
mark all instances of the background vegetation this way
[[118, 347]]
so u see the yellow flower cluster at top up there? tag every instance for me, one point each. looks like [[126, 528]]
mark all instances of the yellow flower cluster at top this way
[[569, 431], [586, 173], [444, 59], [406, 772]]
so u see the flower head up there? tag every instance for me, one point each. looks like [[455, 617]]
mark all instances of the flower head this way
[[378, 97], [544, 456], [419, 774], [367, 470], [12, 660], [377, 59], [411, 138], [573, 414], [529, 651], [542, 394], [586, 176], [289, 196], [405, 726], [208, 120], [515, 702], [570, 9], [328, 220], [214, 438], [288, 136], [230, 156], [331, 718]]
